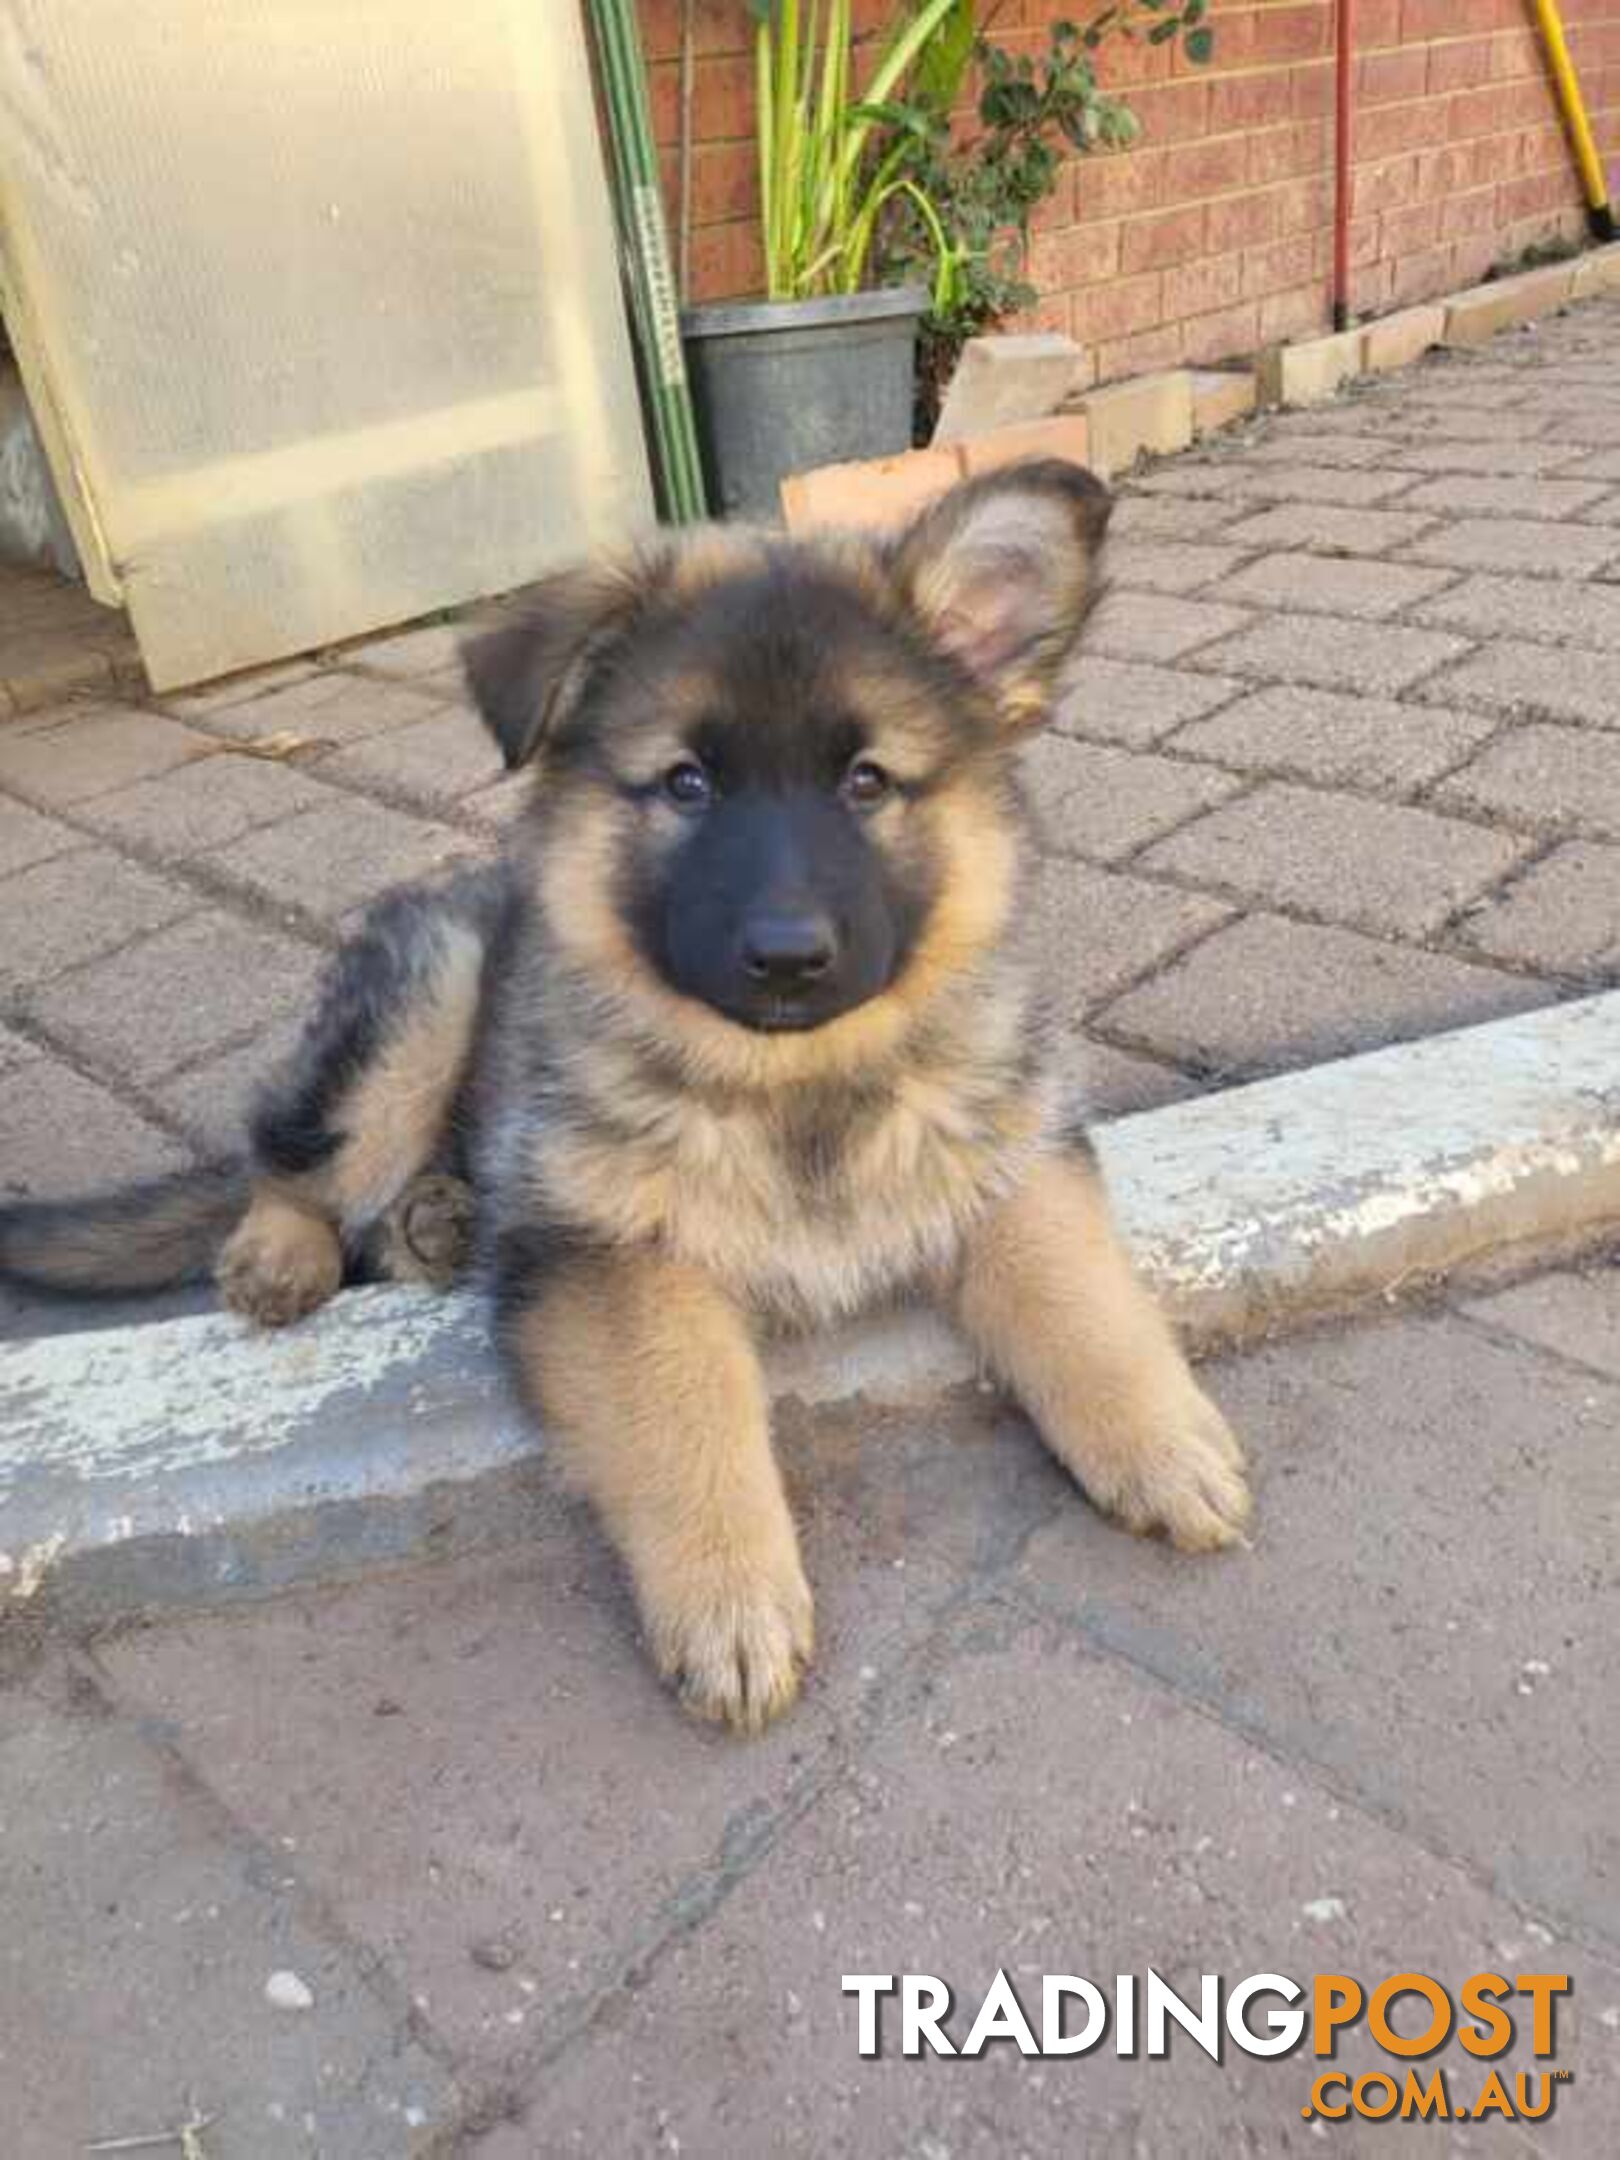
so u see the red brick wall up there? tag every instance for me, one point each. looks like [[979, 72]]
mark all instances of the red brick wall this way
[[1213, 235]]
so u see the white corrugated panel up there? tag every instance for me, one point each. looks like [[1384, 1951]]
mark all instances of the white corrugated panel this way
[[318, 304]]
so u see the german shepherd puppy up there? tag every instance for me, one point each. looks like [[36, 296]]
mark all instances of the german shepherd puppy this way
[[739, 1030]]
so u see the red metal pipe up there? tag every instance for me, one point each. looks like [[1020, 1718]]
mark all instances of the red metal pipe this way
[[1343, 65]]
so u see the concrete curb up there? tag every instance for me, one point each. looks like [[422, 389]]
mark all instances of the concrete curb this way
[[187, 1462]]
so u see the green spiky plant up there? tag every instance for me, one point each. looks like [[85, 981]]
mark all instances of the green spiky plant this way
[[831, 162]]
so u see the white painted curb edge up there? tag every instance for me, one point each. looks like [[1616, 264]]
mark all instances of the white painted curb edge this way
[[188, 1461]]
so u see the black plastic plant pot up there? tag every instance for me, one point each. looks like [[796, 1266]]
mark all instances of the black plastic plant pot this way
[[783, 385]]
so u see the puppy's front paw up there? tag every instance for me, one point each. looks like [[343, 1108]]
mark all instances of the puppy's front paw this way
[[1176, 1468], [278, 1264], [428, 1234], [734, 1635]]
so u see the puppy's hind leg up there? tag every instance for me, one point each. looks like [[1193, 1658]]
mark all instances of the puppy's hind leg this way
[[363, 1109]]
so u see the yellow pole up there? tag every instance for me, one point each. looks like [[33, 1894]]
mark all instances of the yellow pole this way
[[1593, 176]]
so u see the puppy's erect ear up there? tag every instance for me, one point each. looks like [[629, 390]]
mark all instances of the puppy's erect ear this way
[[527, 676], [1004, 570]]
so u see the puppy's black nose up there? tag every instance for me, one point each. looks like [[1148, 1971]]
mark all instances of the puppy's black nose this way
[[788, 950]]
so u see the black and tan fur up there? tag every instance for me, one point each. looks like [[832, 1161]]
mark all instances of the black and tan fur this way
[[670, 1148]]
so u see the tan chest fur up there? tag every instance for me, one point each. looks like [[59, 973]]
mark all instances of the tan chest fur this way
[[806, 1209]]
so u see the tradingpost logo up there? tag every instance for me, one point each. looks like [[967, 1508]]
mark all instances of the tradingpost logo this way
[[1266, 2014]]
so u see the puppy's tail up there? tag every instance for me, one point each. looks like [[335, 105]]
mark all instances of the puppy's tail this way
[[154, 1236]]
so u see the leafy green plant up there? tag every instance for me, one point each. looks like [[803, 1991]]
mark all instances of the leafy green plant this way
[[831, 161], [983, 182]]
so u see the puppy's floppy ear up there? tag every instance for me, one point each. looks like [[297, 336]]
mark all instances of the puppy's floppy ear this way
[[528, 675], [1003, 571]]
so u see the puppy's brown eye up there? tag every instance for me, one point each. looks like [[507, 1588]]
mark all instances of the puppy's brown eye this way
[[866, 784], [688, 786]]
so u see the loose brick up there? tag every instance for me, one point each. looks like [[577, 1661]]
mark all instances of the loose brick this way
[[61, 913], [178, 996], [1267, 993], [90, 750], [26, 837], [326, 862], [1470, 495], [1371, 865], [1332, 654], [204, 804], [1473, 318], [1062, 435], [1152, 414], [879, 494], [1102, 803], [1001, 380], [1562, 613], [1402, 338], [1098, 930], [61, 1135], [1562, 916], [1326, 528], [1509, 676], [1220, 396], [1310, 371], [1546, 779], [1142, 626], [1521, 547], [1127, 702], [1331, 585], [1335, 740]]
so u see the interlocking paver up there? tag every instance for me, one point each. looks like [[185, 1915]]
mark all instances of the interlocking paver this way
[[26, 837], [1335, 739], [1327, 529], [211, 1101], [1373, 865], [1332, 654], [1153, 626], [61, 1134], [1522, 547], [66, 911], [1507, 457], [1134, 703], [1168, 566], [1269, 992], [327, 706], [1508, 676], [1100, 802], [1485, 495], [326, 862], [1233, 481], [1149, 517], [204, 804], [1331, 585], [1560, 611], [1562, 916], [177, 996], [89, 751], [1099, 930], [431, 763], [1543, 778]]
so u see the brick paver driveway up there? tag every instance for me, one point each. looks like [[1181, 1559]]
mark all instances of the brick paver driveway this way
[[1341, 765]]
